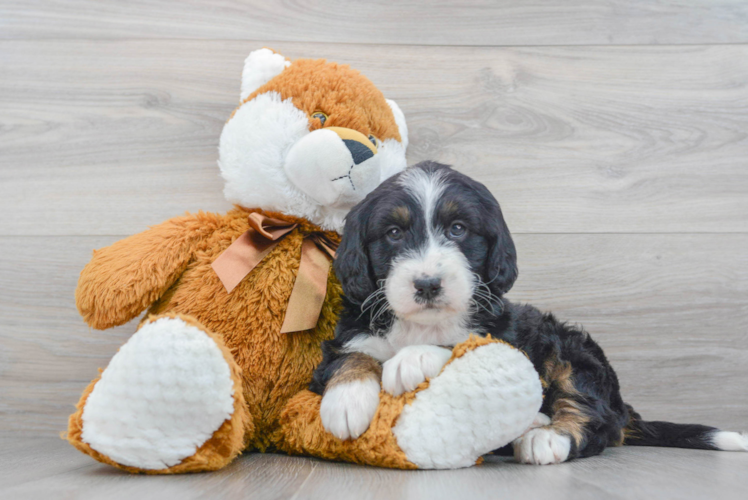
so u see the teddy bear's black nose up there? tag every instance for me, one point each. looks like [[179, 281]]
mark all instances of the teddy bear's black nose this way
[[359, 152]]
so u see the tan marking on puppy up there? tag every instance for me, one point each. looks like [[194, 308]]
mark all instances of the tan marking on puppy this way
[[630, 431], [401, 216], [621, 438], [568, 418], [450, 209], [357, 366], [559, 374]]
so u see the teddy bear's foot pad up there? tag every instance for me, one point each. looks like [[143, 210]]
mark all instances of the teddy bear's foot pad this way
[[481, 401], [163, 395]]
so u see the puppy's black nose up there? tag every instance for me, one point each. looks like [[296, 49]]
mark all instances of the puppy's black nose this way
[[427, 288]]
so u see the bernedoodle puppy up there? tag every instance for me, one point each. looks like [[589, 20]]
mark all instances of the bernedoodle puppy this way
[[425, 260]]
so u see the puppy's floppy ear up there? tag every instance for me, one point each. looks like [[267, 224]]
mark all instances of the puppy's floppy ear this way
[[501, 263], [352, 259]]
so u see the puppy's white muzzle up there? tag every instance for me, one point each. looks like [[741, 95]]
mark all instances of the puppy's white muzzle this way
[[444, 264], [335, 166]]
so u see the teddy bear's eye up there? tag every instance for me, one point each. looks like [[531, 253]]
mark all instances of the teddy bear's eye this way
[[319, 115], [374, 140]]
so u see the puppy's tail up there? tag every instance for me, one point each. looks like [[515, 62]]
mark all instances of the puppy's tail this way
[[639, 432]]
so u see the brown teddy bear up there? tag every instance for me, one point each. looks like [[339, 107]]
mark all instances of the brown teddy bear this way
[[238, 304]]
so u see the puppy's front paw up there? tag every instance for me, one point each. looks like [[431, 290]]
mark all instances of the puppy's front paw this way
[[541, 420], [542, 446], [411, 366], [347, 409]]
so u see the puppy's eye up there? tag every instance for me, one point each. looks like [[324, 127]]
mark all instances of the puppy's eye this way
[[457, 231], [394, 234], [374, 140], [319, 115]]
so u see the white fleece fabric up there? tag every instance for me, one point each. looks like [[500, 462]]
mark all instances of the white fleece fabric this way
[[400, 120], [163, 395], [269, 158], [253, 148], [480, 402], [322, 167], [391, 158], [260, 67]]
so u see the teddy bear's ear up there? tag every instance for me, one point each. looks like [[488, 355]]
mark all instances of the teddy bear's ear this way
[[260, 67], [400, 120]]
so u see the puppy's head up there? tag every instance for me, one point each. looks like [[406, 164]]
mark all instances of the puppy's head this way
[[431, 242]]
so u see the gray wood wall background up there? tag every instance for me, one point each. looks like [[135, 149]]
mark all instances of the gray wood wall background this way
[[614, 133]]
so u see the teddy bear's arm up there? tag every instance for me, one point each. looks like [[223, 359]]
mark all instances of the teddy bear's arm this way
[[125, 278]]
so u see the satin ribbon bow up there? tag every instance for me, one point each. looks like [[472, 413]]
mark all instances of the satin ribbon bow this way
[[310, 287]]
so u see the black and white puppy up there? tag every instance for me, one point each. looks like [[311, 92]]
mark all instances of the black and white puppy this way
[[425, 260]]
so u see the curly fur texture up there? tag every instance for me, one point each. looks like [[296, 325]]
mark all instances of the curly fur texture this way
[[169, 268], [303, 432], [167, 271], [279, 149], [341, 92]]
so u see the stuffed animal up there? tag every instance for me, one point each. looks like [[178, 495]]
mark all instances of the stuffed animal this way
[[239, 304]]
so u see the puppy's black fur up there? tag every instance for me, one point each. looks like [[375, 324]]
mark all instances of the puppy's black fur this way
[[582, 394]]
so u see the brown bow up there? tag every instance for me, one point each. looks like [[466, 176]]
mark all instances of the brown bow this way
[[310, 287]]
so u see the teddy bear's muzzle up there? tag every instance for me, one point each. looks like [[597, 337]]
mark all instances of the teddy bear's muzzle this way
[[335, 166], [359, 152], [360, 146]]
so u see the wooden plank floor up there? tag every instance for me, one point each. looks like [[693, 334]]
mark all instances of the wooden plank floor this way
[[612, 131], [37, 468]]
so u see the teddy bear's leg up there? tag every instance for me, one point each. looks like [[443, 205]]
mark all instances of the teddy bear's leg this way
[[486, 395], [170, 401]]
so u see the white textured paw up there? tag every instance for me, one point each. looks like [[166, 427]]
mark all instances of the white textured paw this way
[[347, 409], [542, 446], [164, 394], [411, 366], [478, 403]]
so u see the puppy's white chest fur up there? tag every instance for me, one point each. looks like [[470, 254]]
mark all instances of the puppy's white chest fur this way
[[449, 332], [402, 334]]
